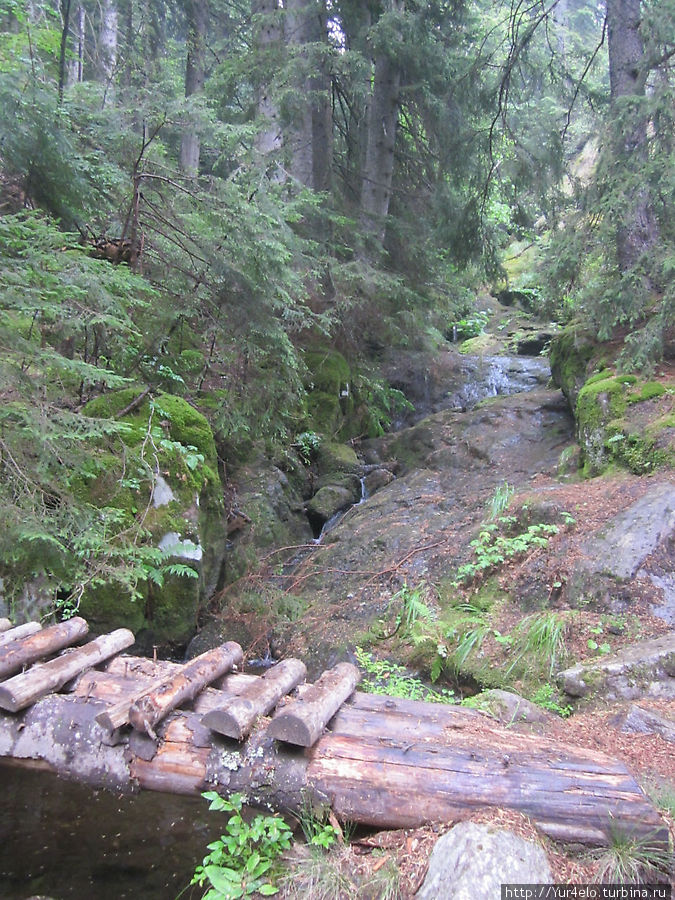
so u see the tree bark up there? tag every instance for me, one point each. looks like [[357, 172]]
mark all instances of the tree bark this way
[[303, 721], [382, 121], [197, 14], [309, 133], [76, 67], [638, 231], [237, 716], [22, 690], [107, 42], [151, 707], [9, 634], [64, 6], [268, 38]]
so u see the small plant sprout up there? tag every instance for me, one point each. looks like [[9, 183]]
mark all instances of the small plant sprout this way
[[307, 444], [243, 860], [500, 500]]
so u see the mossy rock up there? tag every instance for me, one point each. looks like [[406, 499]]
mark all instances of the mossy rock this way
[[330, 399], [107, 606], [328, 370], [412, 446], [612, 428], [183, 498], [482, 344], [327, 502], [185, 424], [571, 354], [333, 457]]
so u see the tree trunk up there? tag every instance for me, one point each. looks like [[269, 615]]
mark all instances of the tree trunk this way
[[309, 134], [76, 66], [268, 38], [382, 121], [107, 42], [197, 13], [64, 7], [638, 231]]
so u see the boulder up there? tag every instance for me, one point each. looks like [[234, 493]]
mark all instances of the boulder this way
[[474, 860], [328, 501], [645, 669], [638, 720], [158, 481], [510, 708], [639, 541], [377, 479], [332, 457]]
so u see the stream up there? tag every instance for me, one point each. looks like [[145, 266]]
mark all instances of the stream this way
[[61, 840]]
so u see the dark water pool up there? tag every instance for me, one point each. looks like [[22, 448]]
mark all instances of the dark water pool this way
[[66, 840]]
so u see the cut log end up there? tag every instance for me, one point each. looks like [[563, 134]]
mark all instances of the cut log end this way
[[304, 721]]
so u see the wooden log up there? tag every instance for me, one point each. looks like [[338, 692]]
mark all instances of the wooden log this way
[[149, 709], [12, 634], [581, 795], [46, 642], [236, 717], [5, 625], [303, 721], [20, 691]]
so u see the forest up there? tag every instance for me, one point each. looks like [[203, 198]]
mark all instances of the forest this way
[[198, 197]]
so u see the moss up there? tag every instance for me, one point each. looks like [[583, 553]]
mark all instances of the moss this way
[[172, 609], [330, 400], [333, 457], [600, 401], [328, 370], [636, 453], [570, 355], [482, 343], [106, 606], [188, 426], [124, 480], [650, 390], [325, 413]]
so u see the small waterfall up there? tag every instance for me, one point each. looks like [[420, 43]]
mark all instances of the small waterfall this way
[[337, 517], [492, 376]]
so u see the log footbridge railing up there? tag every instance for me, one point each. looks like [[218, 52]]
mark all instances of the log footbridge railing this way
[[94, 714]]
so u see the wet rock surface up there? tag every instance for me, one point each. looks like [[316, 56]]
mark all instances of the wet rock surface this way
[[419, 525]]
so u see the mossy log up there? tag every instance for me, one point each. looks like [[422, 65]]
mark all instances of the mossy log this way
[[384, 762]]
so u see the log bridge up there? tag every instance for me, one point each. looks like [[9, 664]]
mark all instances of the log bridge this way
[[87, 711]]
